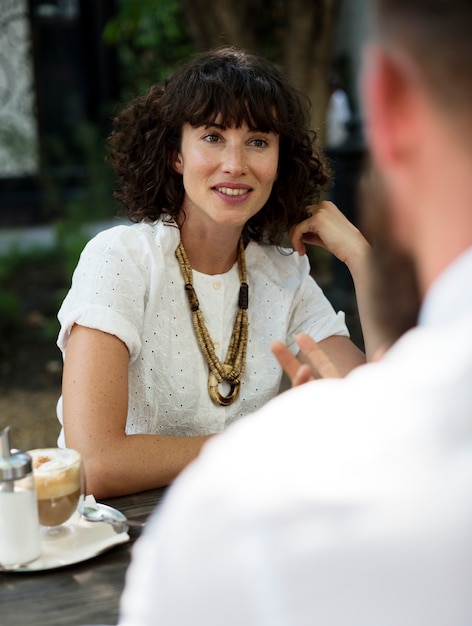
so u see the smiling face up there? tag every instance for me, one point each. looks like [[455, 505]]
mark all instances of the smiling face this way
[[228, 173]]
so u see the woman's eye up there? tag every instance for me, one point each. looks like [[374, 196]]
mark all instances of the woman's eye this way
[[211, 138], [259, 143]]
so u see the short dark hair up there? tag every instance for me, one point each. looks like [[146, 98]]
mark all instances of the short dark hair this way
[[241, 88], [437, 34]]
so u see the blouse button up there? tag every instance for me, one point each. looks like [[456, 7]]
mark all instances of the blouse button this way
[[216, 285], [216, 345]]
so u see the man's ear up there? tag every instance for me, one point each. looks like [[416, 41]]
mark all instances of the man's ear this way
[[391, 104]]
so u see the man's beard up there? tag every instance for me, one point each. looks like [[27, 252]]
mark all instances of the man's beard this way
[[395, 296]]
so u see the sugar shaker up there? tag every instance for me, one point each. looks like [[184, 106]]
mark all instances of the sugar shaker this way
[[19, 525]]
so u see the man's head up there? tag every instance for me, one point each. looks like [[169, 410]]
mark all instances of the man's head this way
[[417, 91], [436, 34]]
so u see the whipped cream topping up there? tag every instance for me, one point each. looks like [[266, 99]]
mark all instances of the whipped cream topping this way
[[47, 460]]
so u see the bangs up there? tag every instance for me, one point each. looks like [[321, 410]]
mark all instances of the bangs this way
[[230, 111], [235, 95]]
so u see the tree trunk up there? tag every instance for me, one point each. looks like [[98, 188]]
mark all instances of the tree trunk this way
[[310, 28], [296, 34]]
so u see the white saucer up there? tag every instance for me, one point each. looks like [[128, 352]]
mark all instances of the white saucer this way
[[84, 540]]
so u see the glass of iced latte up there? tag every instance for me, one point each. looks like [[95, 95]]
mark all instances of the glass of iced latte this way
[[60, 486]]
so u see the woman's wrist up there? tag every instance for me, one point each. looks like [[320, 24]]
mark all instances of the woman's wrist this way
[[358, 256]]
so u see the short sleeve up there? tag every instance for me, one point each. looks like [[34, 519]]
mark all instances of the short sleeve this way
[[312, 312], [108, 289]]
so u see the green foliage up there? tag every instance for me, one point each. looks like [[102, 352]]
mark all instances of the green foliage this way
[[9, 309], [78, 186], [30, 282], [71, 238], [32, 285], [92, 202], [151, 39]]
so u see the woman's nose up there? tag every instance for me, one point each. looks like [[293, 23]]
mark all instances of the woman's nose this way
[[234, 160]]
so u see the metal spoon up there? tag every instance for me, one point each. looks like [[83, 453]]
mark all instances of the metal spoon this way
[[104, 513]]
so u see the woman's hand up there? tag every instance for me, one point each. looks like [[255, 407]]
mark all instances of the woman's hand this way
[[329, 228]]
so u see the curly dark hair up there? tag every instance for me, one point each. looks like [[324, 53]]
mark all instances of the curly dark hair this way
[[240, 88]]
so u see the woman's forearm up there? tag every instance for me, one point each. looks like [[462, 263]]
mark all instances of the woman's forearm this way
[[358, 264], [95, 408], [134, 463]]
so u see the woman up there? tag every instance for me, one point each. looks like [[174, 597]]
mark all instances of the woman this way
[[167, 328]]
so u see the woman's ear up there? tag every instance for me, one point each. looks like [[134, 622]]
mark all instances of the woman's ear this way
[[178, 163]]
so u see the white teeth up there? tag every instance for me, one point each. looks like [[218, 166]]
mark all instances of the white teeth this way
[[232, 192]]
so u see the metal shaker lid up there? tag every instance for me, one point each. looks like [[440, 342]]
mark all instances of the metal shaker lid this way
[[14, 464]]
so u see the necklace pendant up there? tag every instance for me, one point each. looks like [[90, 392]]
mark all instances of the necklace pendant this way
[[215, 394]]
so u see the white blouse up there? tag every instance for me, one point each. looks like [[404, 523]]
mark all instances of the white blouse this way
[[128, 283]]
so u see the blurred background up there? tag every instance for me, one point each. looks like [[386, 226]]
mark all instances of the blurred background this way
[[65, 67]]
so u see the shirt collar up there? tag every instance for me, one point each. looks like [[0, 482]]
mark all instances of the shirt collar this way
[[450, 296]]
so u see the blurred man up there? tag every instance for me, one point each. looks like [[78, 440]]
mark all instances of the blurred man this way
[[348, 502]]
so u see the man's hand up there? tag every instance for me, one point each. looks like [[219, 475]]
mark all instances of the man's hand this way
[[311, 362]]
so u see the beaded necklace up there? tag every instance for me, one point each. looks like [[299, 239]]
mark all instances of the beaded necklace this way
[[232, 369]]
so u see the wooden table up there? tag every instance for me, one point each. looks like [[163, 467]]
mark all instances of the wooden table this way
[[81, 594]]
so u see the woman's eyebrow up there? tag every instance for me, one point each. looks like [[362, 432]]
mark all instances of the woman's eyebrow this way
[[218, 126], [215, 125]]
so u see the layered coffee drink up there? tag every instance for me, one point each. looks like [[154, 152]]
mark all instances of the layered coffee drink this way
[[59, 483]]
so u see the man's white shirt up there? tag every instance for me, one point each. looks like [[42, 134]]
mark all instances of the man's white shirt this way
[[341, 502]]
